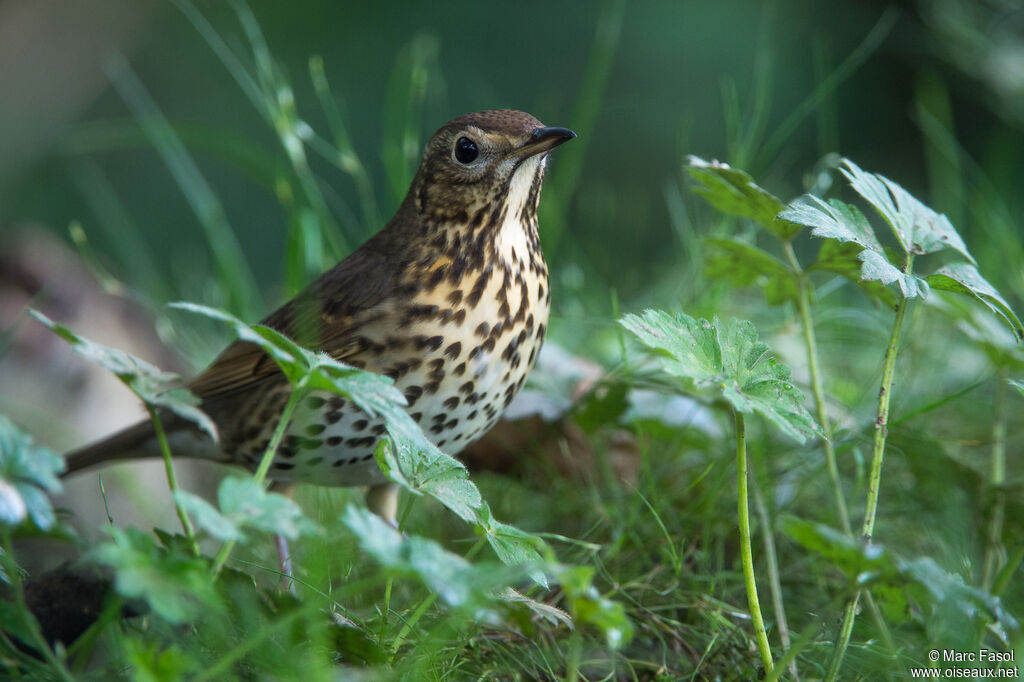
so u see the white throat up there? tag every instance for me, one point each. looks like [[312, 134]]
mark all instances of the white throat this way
[[513, 239]]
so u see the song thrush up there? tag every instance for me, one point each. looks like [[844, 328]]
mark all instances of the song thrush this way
[[450, 300]]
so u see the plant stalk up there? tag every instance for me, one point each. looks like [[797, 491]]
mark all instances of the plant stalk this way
[[994, 551], [172, 480], [261, 472], [810, 341], [774, 582], [746, 555], [874, 482]]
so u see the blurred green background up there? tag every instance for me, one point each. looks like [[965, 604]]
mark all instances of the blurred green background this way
[[264, 178], [929, 93]]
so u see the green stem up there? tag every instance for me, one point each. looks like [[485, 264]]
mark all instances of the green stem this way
[[28, 619], [275, 439], [172, 480], [746, 555], [261, 472], [774, 583], [994, 550], [810, 341], [875, 480]]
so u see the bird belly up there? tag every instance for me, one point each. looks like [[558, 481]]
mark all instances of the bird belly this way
[[457, 379]]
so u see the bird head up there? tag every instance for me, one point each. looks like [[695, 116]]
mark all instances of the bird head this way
[[480, 167]]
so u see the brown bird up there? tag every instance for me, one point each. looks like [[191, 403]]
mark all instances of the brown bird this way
[[450, 300]]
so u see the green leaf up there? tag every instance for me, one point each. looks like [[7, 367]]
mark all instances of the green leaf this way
[[455, 580], [964, 278], [306, 370], [899, 581], [842, 259], [208, 517], [150, 384], [28, 473], [734, 192], [248, 505], [1019, 385], [407, 457], [840, 549], [589, 607], [513, 546], [743, 265], [419, 466], [157, 662], [176, 586], [245, 504], [845, 223], [729, 359], [918, 228]]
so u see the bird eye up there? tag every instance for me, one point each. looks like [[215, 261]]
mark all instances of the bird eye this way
[[465, 150]]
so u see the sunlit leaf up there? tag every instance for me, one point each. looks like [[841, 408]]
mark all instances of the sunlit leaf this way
[[1019, 385], [728, 359], [964, 278], [28, 475], [150, 384], [843, 259], [743, 264], [918, 228], [733, 191], [845, 223]]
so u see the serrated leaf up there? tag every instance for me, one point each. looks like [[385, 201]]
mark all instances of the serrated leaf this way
[[407, 457], [743, 264], [845, 223], [729, 359], [28, 474], [964, 278], [419, 466], [513, 546], [833, 219], [176, 586], [734, 192], [150, 384], [918, 228]]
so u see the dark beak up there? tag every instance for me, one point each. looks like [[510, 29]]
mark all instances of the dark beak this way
[[543, 140]]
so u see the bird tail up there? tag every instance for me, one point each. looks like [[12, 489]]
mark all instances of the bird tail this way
[[139, 442]]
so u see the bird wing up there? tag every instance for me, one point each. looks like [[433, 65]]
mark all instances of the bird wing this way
[[325, 316]]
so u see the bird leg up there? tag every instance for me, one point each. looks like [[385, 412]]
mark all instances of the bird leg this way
[[284, 555], [382, 500]]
